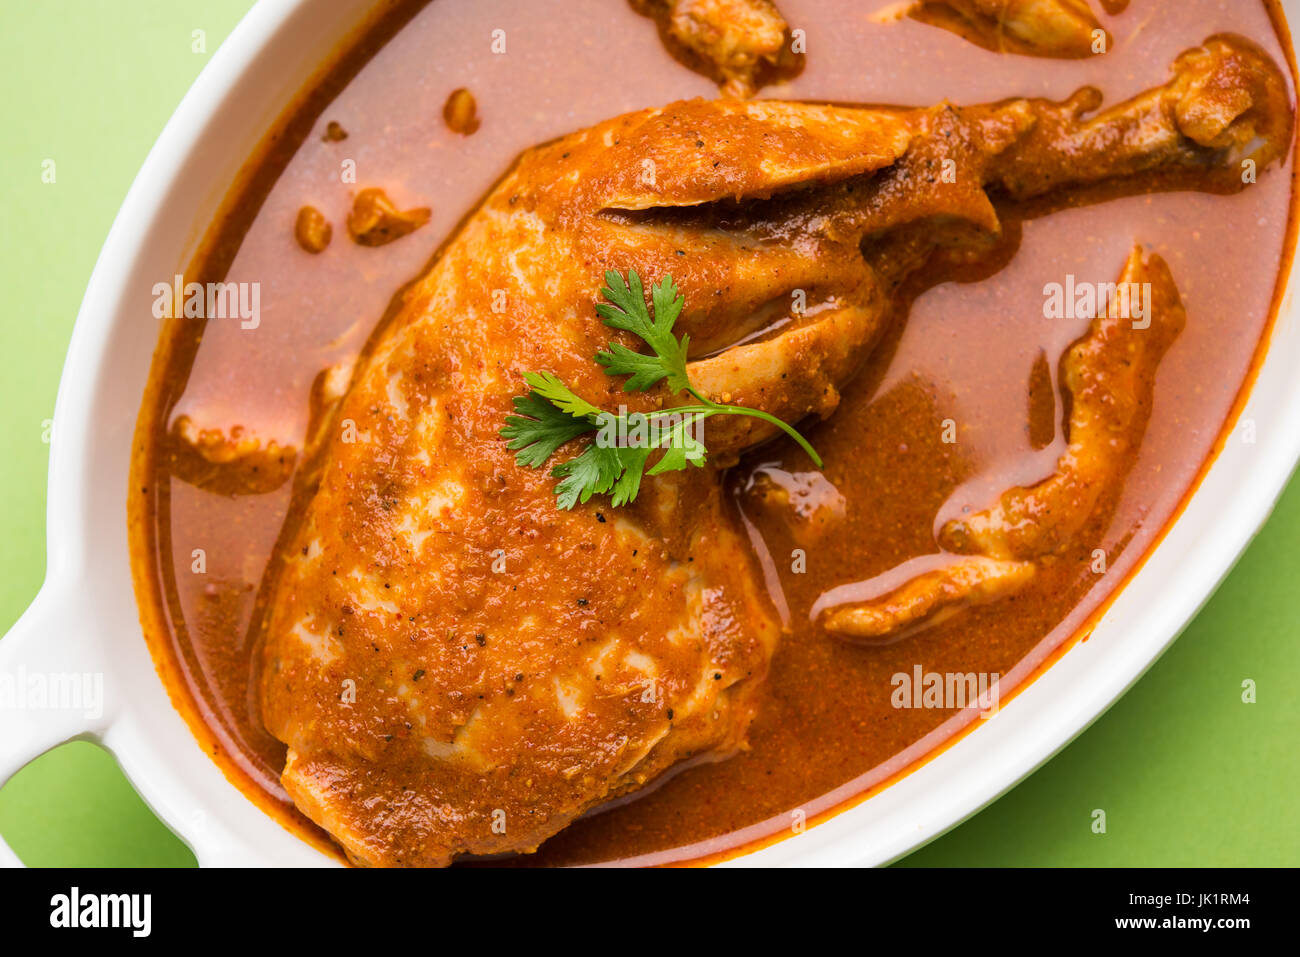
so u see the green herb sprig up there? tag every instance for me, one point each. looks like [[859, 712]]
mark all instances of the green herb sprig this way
[[552, 415]]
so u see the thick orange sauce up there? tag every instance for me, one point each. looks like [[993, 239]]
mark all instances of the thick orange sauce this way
[[972, 353]]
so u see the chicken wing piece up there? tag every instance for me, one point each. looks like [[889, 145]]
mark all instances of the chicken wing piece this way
[[1108, 378], [456, 665], [740, 44]]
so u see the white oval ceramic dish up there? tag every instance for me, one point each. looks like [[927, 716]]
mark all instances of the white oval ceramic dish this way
[[85, 618]]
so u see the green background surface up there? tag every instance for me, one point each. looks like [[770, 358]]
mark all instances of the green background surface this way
[[1187, 773]]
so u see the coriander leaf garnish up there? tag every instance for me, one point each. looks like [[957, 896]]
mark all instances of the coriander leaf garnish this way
[[593, 472], [539, 429], [627, 310], [552, 414], [549, 387], [681, 448], [629, 483]]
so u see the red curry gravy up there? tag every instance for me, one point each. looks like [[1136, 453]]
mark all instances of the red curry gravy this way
[[976, 352]]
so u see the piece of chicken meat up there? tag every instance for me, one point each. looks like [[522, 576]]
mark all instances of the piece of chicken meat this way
[[459, 667], [739, 44], [1063, 29]]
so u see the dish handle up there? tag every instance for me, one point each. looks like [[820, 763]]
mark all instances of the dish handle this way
[[52, 678]]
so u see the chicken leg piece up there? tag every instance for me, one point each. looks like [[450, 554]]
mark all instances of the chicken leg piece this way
[[1225, 106], [457, 666]]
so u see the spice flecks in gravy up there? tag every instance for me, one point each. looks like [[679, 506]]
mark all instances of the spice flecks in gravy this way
[[967, 355]]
